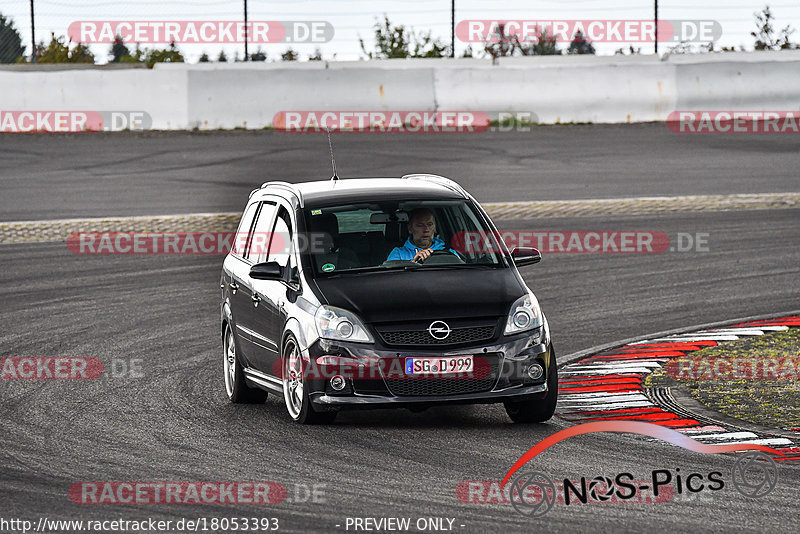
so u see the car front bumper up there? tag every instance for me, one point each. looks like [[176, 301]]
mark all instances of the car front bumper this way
[[510, 357]]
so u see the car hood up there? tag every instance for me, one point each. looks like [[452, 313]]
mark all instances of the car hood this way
[[391, 296]]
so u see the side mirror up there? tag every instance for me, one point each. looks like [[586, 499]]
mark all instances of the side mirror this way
[[525, 256], [266, 271]]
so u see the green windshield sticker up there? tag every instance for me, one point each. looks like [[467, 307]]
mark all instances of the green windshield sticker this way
[[328, 267], [316, 212]]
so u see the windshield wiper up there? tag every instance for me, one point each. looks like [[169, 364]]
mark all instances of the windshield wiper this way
[[450, 266]]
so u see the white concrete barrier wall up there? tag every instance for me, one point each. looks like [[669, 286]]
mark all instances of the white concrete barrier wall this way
[[163, 94], [251, 97], [555, 89], [764, 86], [585, 93]]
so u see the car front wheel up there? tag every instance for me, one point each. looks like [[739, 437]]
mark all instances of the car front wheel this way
[[295, 392], [537, 410]]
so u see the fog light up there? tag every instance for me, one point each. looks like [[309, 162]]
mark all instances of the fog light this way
[[535, 371], [338, 383]]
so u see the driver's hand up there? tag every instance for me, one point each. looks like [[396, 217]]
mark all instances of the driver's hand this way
[[422, 255]]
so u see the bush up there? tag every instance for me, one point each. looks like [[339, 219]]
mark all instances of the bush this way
[[11, 48], [59, 52]]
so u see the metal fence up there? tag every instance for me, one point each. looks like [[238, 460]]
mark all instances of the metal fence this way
[[348, 22]]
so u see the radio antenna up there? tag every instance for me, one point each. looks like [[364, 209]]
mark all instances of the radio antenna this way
[[334, 178]]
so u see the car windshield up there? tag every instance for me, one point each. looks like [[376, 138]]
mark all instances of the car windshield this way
[[389, 235]]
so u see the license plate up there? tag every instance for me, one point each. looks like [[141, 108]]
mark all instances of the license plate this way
[[444, 365]]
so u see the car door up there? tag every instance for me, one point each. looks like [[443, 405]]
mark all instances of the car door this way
[[247, 328], [235, 272], [270, 314]]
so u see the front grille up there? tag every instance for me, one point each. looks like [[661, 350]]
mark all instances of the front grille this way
[[484, 377], [472, 334]]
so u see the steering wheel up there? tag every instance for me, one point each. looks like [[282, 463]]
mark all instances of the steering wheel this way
[[443, 253]]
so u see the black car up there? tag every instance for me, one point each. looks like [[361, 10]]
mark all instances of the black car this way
[[384, 292]]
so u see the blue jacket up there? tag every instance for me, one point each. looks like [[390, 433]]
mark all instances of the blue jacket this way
[[409, 249]]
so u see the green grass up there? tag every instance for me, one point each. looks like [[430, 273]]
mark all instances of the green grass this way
[[774, 403]]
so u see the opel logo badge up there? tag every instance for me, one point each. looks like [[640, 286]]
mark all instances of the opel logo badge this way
[[439, 330]]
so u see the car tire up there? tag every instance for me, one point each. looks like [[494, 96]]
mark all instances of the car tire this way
[[235, 386], [537, 410], [295, 392]]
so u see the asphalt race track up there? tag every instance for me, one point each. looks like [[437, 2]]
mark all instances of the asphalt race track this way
[[174, 423], [101, 175]]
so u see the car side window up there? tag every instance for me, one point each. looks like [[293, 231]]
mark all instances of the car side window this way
[[242, 236], [259, 241], [280, 248]]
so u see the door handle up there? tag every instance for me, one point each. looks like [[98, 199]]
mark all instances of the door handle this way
[[256, 299], [234, 286]]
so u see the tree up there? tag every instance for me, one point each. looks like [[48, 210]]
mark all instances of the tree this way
[[138, 56], [258, 55], [427, 46], [118, 50], [11, 47], [631, 51], [203, 58], [157, 55], [59, 52], [163, 55], [580, 45], [290, 55], [392, 42], [544, 45], [222, 57], [317, 56], [765, 33], [500, 44]]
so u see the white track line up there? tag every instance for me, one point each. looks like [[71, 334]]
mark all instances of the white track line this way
[[604, 407], [770, 441], [577, 399], [727, 435], [600, 372], [673, 339], [598, 394], [747, 328], [733, 331], [701, 429]]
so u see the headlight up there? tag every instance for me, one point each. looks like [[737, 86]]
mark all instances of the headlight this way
[[525, 315], [336, 323]]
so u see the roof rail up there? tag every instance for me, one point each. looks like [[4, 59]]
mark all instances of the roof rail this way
[[286, 186], [441, 180]]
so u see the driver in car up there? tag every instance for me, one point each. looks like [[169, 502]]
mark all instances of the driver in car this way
[[421, 241]]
